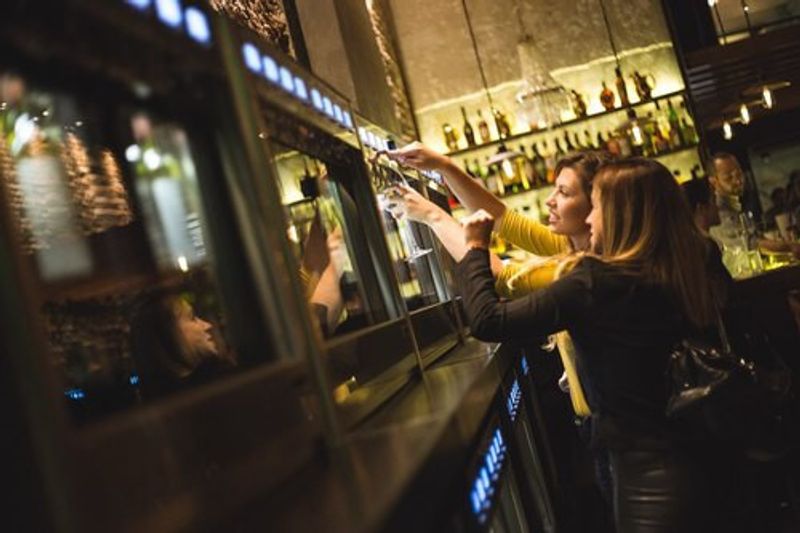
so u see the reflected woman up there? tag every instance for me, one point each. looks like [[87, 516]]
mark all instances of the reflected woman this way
[[172, 347]]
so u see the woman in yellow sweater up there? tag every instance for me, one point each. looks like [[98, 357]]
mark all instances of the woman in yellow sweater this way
[[568, 205]]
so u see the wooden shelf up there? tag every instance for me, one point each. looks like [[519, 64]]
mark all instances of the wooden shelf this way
[[563, 125]]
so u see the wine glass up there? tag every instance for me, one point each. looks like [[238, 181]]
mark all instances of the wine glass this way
[[389, 181]]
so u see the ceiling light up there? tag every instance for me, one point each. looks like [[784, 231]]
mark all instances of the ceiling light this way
[[727, 131], [769, 103], [745, 114]]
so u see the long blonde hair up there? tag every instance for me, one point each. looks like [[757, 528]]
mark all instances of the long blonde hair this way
[[647, 227]]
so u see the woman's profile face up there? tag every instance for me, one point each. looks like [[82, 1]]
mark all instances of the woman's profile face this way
[[194, 332], [595, 221], [568, 205]]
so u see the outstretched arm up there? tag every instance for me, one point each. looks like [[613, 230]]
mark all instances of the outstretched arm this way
[[469, 192]]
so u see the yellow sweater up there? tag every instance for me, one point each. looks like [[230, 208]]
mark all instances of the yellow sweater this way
[[520, 279]]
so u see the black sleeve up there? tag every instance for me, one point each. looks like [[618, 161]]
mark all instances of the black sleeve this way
[[543, 312]]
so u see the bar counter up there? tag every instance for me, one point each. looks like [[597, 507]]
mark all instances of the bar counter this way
[[401, 468]]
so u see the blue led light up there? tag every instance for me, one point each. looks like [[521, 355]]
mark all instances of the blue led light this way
[[328, 106], [271, 69], [316, 99], [197, 25], [524, 364], [348, 120], [139, 4], [337, 113], [252, 58], [169, 11], [75, 394], [300, 88], [133, 380], [287, 80], [476, 501]]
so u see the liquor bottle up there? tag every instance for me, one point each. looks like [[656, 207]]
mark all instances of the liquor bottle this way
[[469, 134], [483, 129], [308, 182], [525, 169], [550, 160], [578, 104], [568, 146], [560, 152], [539, 167], [607, 98], [508, 171], [621, 89], [501, 123], [651, 136], [675, 133], [601, 143], [494, 182], [450, 138], [578, 144], [587, 140]]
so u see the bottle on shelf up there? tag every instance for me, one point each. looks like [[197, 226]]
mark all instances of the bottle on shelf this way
[[539, 167], [607, 98], [622, 90], [479, 171], [568, 146], [494, 181], [450, 137], [578, 104], [601, 143], [560, 152], [587, 140], [483, 129], [578, 144], [625, 146], [525, 169], [469, 134], [550, 160], [652, 141], [501, 123], [676, 139]]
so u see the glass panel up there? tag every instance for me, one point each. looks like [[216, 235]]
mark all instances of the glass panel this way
[[109, 209], [316, 204], [409, 243]]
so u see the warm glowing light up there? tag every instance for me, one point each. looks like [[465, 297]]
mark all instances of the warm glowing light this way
[[183, 264], [727, 131], [767, 96], [636, 133], [508, 168], [712, 3], [133, 153], [745, 114], [151, 159]]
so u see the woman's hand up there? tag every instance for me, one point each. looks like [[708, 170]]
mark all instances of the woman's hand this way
[[478, 229], [419, 156], [413, 205]]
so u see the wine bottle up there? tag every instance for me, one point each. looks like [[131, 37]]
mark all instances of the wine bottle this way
[[539, 167], [525, 169], [587, 140], [568, 146], [450, 138], [483, 129], [675, 133], [469, 134], [621, 88], [550, 159], [501, 123]]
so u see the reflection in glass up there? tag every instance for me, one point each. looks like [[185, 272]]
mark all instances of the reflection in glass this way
[[412, 263], [316, 206], [119, 251]]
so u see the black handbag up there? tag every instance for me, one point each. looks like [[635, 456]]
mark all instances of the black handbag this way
[[720, 396]]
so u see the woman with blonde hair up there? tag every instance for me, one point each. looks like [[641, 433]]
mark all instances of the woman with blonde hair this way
[[645, 285]]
